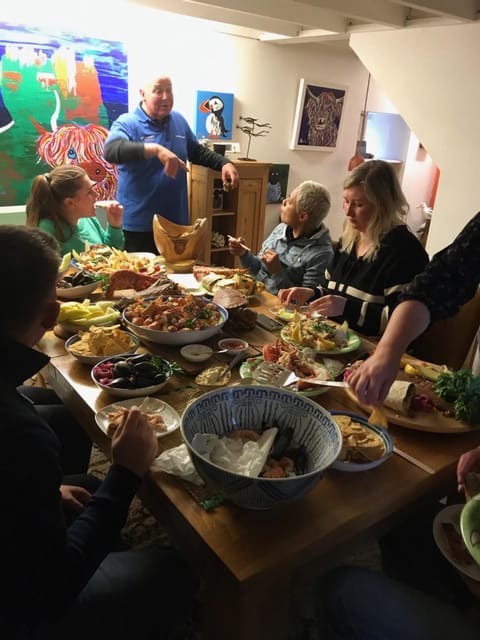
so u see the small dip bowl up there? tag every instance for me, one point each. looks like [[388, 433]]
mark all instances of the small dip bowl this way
[[196, 352], [232, 345]]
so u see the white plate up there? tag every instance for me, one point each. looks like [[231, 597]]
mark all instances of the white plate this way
[[452, 514], [188, 283], [152, 405]]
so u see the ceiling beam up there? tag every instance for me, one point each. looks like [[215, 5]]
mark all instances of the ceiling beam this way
[[466, 10], [298, 12], [376, 11], [226, 16]]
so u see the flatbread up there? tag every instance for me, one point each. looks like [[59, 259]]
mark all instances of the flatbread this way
[[400, 397]]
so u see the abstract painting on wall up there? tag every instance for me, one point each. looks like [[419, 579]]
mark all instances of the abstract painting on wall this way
[[214, 115], [59, 94], [318, 116]]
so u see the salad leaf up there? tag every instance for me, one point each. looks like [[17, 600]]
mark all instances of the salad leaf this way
[[462, 389]]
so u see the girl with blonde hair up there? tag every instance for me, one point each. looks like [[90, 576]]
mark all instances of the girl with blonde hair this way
[[376, 257], [62, 203]]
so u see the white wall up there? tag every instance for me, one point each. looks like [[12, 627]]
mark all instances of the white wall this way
[[437, 92], [263, 77]]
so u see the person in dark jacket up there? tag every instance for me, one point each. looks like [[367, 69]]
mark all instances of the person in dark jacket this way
[[151, 146], [66, 581], [376, 257]]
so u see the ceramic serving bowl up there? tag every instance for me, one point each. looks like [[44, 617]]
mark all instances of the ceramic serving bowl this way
[[228, 409], [232, 345], [77, 293], [182, 337], [383, 436], [196, 352], [137, 383], [91, 359]]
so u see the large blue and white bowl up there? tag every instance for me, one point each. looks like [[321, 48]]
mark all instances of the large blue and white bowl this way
[[252, 407]]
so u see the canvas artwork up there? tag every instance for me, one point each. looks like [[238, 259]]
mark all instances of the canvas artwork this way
[[277, 182], [214, 115], [318, 116], [59, 94]]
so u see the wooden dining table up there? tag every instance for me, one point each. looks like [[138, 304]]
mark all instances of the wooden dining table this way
[[248, 559]]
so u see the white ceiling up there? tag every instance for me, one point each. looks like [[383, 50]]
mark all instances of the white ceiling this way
[[319, 21]]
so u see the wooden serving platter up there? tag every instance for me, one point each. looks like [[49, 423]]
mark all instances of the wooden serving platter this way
[[434, 422]]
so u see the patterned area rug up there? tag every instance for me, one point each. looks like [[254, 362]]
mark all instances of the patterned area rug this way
[[141, 528]]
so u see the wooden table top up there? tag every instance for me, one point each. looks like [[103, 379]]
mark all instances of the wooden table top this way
[[255, 547]]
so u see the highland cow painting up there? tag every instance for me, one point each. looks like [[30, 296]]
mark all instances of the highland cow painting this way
[[318, 116], [59, 94]]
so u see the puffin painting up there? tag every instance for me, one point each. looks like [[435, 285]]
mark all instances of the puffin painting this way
[[214, 123]]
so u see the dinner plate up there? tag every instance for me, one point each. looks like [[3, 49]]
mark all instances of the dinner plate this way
[[353, 342], [150, 405], [247, 368], [451, 515]]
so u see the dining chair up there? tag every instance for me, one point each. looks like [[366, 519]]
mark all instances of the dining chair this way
[[450, 341]]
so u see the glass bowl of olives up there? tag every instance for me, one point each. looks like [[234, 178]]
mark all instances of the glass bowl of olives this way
[[133, 376]]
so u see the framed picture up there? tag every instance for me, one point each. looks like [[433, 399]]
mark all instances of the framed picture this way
[[318, 116], [277, 183], [214, 115], [59, 94]]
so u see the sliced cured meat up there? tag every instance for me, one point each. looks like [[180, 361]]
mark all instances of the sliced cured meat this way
[[125, 279]]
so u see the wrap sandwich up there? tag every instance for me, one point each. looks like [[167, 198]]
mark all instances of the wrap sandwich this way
[[400, 397]]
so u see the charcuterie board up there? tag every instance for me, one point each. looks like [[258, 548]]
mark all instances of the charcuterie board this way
[[435, 422]]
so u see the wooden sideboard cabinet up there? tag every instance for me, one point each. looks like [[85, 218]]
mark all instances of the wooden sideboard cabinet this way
[[240, 212]]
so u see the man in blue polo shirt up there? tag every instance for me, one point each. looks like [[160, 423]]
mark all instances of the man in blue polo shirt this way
[[151, 146]]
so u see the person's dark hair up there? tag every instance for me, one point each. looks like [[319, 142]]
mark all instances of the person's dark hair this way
[[47, 193], [29, 261]]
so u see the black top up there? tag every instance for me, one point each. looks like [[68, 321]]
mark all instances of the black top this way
[[372, 287], [452, 277], [44, 564]]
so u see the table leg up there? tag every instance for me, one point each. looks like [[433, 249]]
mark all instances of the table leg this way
[[250, 611]]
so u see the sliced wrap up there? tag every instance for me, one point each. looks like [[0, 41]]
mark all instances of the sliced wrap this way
[[400, 396]]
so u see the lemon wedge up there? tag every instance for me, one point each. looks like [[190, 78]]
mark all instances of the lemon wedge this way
[[65, 263]]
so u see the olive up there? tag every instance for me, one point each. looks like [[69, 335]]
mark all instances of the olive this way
[[142, 357], [142, 381], [159, 378], [121, 369], [122, 383], [145, 368]]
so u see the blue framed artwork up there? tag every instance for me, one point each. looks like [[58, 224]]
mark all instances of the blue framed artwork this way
[[214, 115], [59, 94]]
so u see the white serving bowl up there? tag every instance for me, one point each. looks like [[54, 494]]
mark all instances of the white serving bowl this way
[[232, 345], [77, 293], [124, 392], [196, 352], [95, 359], [225, 410], [176, 337], [344, 465]]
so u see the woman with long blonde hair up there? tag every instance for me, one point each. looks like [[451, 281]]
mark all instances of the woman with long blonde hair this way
[[62, 203], [376, 257]]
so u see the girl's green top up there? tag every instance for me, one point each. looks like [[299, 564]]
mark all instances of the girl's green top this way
[[87, 229]]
